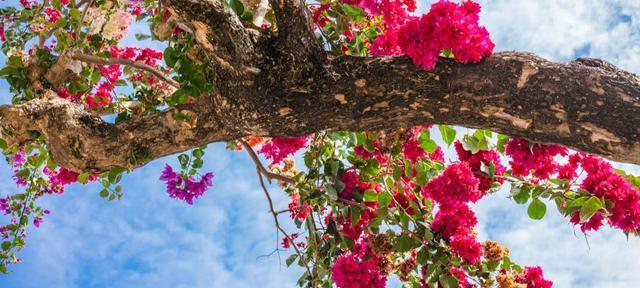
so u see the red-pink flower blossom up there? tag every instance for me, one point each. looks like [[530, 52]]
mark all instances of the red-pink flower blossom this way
[[449, 221], [603, 181], [594, 223], [467, 247], [457, 185], [279, 148], [533, 278], [376, 154], [102, 96], [3, 37], [298, 210], [111, 72], [463, 280], [351, 271], [479, 159], [51, 14], [412, 150], [447, 26], [527, 157]]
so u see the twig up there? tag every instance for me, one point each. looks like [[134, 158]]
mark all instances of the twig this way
[[84, 15], [127, 62], [261, 168], [282, 211], [313, 235], [275, 219]]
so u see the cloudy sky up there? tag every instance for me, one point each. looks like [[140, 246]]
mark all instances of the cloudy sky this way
[[225, 239]]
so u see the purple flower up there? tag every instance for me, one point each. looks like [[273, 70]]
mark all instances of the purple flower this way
[[37, 221], [186, 190], [18, 158], [4, 205]]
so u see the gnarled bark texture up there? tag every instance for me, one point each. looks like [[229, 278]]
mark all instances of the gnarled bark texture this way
[[285, 84]]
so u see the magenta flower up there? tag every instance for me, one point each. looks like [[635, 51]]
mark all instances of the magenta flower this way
[[185, 189]]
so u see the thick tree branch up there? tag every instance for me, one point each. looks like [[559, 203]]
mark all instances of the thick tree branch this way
[[82, 141], [586, 104], [218, 30]]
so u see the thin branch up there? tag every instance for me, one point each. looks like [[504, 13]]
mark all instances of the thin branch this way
[[275, 219], [84, 15], [127, 62], [261, 168], [282, 211]]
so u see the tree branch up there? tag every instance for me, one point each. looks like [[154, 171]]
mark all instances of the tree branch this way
[[126, 62], [277, 223], [586, 104], [269, 175]]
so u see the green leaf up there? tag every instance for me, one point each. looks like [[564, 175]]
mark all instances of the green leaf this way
[[448, 134], [368, 145], [448, 281], [247, 16], [404, 243], [6, 245], [75, 14], [198, 153], [355, 215], [384, 199], [589, 208], [426, 142], [370, 195], [184, 160], [520, 194], [141, 36], [115, 174], [237, 6], [170, 56], [83, 178], [291, 259], [104, 193], [331, 191], [537, 209]]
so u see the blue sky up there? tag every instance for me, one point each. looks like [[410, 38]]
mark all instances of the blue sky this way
[[149, 240]]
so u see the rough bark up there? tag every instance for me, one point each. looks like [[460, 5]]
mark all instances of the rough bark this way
[[284, 85]]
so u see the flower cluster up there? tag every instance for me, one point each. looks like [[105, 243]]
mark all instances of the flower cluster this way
[[352, 185], [412, 150], [288, 241], [539, 158], [533, 278], [375, 154], [51, 14], [279, 148], [455, 221], [457, 185], [114, 26], [358, 269], [461, 276], [59, 178], [447, 25], [483, 158], [185, 188], [603, 182], [298, 209], [394, 12]]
